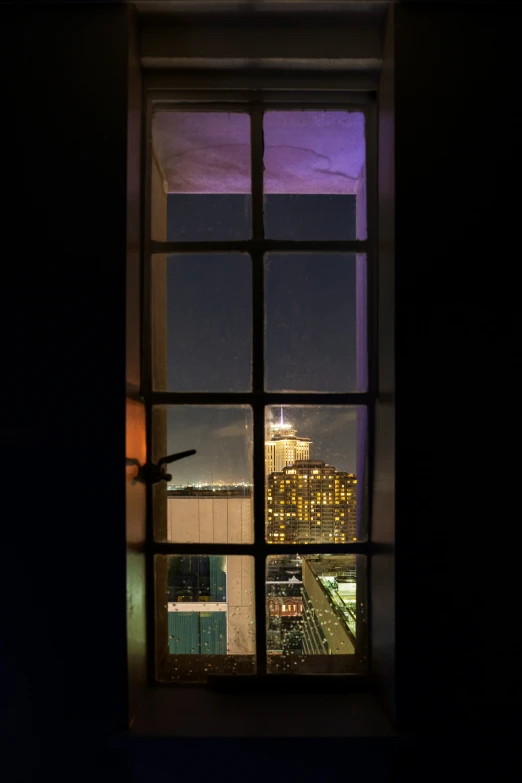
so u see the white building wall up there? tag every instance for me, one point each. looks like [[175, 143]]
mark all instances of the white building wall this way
[[207, 520], [240, 591]]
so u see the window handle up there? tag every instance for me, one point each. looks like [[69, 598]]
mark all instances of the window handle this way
[[150, 473]]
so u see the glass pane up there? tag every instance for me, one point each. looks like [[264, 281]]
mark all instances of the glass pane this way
[[202, 217], [314, 175], [200, 178], [316, 475], [207, 323], [315, 316], [205, 616], [316, 614], [209, 497]]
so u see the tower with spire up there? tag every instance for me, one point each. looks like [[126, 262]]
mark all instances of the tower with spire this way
[[283, 447]]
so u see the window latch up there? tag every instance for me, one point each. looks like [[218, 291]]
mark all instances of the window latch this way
[[150, 473]]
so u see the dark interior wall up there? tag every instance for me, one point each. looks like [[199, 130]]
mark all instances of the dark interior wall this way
[[134, 203], [135, 441], [384, 500], [457, 153], [63, 420]]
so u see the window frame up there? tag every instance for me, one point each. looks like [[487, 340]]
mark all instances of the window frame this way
[[254, 102]]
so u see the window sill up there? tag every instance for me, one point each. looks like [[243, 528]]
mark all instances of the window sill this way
[[200, 712]]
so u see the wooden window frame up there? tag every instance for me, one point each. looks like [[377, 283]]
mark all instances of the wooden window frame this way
[[254, 102]]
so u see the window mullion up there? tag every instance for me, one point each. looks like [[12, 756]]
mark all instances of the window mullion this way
[[258, 362], [260, 549], [266, 398], [266, 245]]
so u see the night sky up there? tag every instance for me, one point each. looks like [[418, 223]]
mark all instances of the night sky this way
[[310, 329]]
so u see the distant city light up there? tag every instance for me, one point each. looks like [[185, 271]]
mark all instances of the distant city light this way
[[214, 487]]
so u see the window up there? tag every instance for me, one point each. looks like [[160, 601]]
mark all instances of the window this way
[[256, 317]]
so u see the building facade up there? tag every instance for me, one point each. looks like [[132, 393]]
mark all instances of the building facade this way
[[210, 605], [310, 502], [279, 606], [283, 447], [329, 602], [210, 517]]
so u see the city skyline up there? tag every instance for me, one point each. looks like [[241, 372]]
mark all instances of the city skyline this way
[[222, 437]]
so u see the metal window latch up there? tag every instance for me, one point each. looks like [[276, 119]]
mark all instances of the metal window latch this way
[[150, 473]]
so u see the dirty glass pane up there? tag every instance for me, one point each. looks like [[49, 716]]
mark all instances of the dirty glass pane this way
[[315, 322], [205, 616], [315, 474], [200, 179], [316, 614], [209, 496], [314, 175], [204, 341]]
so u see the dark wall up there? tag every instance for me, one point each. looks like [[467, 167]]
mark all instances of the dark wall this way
[[135, 436], [382, 568], [457, 143], [63, 417]]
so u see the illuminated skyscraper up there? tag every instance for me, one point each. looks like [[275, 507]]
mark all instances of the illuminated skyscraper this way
[[283, 447], [310, 502]]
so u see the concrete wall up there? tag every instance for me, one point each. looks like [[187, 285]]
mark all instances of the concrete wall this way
[[240, 591], [209, 520]]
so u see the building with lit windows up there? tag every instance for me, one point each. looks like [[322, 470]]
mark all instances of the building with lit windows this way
[[283, 447], [279, 606], [210, 609], [329, 602], [310, 502]]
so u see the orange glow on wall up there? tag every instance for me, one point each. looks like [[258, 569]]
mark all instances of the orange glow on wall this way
[[135, 443]]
